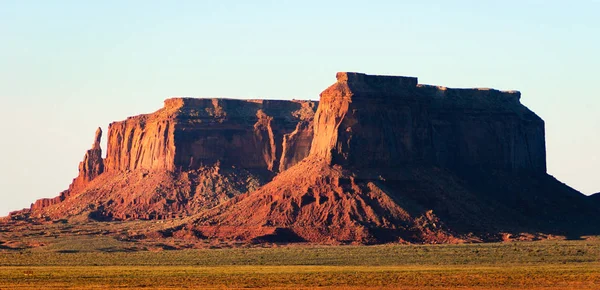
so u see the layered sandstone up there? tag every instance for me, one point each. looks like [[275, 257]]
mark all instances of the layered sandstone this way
[[254, 134], [187, 156], [382, 121], [383, 159], [393, 160], [189, 133]]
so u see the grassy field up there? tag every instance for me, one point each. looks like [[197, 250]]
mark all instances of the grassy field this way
[[337, 277], [88, 262]]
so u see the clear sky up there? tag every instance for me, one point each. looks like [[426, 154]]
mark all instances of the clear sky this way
[[67, 67]]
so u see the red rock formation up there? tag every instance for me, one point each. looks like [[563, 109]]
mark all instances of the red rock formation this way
[[190, 133], [296, 145], [143, 194], [392, 160], [91, 167], [246, 134], [187, 156], [144, 142], [315, 202], [380, 121]]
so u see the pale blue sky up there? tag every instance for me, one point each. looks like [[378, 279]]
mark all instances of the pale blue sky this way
[[67, 67]]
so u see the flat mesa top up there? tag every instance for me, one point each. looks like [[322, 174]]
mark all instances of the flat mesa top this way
[[354, 77], [405, 82]]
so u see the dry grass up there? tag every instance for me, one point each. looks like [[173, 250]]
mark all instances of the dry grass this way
[[103, 262], [293, 277]]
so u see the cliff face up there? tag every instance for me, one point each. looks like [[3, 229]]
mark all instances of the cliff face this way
[[142, 142], [256, 134], [383, 159], [392, 160], [189, 133], [189, 155], [368, 121]]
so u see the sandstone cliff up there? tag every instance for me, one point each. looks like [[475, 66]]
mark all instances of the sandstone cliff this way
[[189, 155], [380, 121], [189, 133], [392, 160], [383, 159], [255, 134]]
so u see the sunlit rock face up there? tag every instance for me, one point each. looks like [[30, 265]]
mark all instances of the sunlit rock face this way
[[394, 160], [189, 133], [187, 156], [382, 159]]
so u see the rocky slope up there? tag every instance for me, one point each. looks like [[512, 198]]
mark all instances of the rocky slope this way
[[393, 160], [383, 159], [187, 156]]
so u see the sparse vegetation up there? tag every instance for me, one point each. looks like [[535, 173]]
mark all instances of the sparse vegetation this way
[[293, 277], [104, 262]]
